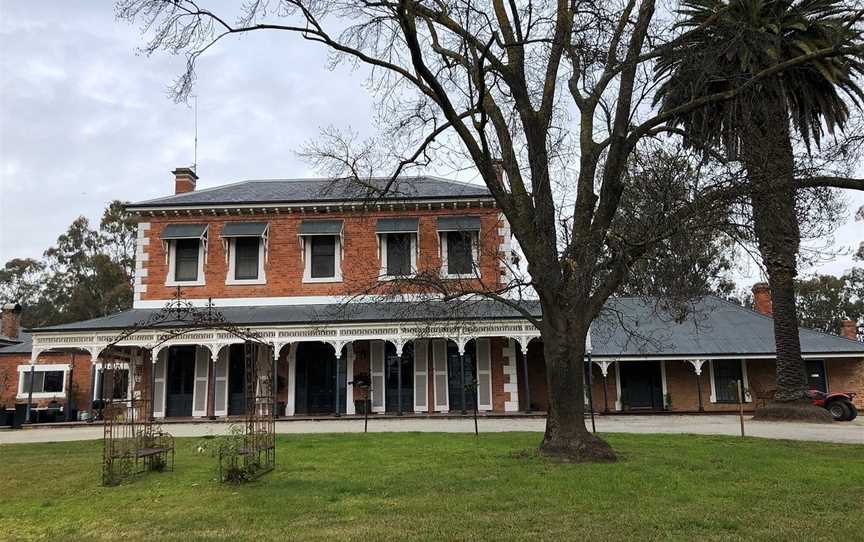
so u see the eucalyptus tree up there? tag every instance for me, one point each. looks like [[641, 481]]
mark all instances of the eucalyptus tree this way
[[555, 93], [726, 43]]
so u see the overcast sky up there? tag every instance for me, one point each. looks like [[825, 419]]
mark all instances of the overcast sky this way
[[84, 119]]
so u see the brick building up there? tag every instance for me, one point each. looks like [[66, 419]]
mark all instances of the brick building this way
[[284, 257]]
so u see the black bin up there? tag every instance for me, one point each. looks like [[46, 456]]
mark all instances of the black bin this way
[[20, 416]]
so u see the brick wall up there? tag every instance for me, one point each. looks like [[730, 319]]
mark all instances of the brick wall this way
[[82, 371], [284, 268], [847, 375]]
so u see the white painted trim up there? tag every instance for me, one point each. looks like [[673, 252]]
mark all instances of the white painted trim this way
[[291, 300], [223, 359], [687, 357], [475, 256], [172, 262], [330, 206], [26, 369], [483, 351], [201, 355], [439, 367], [232, 264], [43, 367], [159, 377], [377, 357], [663, 386], [349, 377], [290, 403], [307, 261], [421, 369]]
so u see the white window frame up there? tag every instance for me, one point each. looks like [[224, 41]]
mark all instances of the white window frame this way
[[99, 367], [382, 255], [172, 261], [307, 260], [475, 255], [44, 368], [230, 280], [744, 382]]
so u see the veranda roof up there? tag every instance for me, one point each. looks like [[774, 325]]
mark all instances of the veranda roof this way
[[630, 327]]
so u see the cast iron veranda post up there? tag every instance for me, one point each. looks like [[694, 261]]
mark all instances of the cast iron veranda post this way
[[399, 382], [151, 408], [338, 368], [274, 386], [699, 389], [524, 353], [30, 392], [591, 393], [462, 378], [605, 394]]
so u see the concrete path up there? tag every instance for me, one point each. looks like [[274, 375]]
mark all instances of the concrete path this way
[[845, 432]]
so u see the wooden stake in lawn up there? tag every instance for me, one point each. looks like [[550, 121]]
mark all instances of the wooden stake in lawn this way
[[739, 387]]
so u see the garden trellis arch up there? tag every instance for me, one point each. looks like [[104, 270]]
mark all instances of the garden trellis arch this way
[[132, 440]]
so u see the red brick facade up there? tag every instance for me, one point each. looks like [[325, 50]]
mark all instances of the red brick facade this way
[[284, 267]]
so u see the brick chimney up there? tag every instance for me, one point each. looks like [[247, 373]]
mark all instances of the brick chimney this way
[[762, 299], [849, 329], [10, 321], [184, 180]]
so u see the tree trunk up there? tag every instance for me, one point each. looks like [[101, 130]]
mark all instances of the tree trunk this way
[[771, 168], [567, 438]]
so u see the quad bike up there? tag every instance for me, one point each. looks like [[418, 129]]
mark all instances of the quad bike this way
[[838, 404]]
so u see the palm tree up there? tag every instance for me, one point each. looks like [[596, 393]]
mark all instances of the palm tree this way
[[726, 43]]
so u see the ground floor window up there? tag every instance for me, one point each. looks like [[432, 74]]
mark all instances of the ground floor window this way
[[816, 377], [111, 384], [726, 373], [44, 381]]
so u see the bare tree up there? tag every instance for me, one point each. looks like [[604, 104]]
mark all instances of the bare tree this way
[[557, 93]]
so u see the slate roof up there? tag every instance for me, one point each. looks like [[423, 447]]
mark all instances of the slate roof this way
[[273, 191], [637, 327], [630, 327], [23, 347]]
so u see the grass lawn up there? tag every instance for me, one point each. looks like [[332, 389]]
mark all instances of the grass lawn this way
[[448, 486]]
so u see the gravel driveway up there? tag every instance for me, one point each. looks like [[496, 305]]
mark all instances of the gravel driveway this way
[[842, 432]]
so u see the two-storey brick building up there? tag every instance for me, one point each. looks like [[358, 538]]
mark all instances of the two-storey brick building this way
[[302, 263]]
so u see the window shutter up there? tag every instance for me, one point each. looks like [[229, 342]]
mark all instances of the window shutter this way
[[484, 375], [221, 391], [159, 387], [199, 392], [376, 363], [439, 359], [421, 385]]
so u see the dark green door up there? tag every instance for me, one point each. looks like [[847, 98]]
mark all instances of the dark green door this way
[[180, 381], [316, 379], [392, 378]]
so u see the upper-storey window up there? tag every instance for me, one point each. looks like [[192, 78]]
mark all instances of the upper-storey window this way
[[397, 241], [186, 250], [321, 242], [460, 238], [245, 250]]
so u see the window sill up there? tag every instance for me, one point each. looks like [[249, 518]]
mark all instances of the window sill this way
[[460, 277], [390, 278], [309, 280], [245, 282], [184, 283], [43, 395]]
